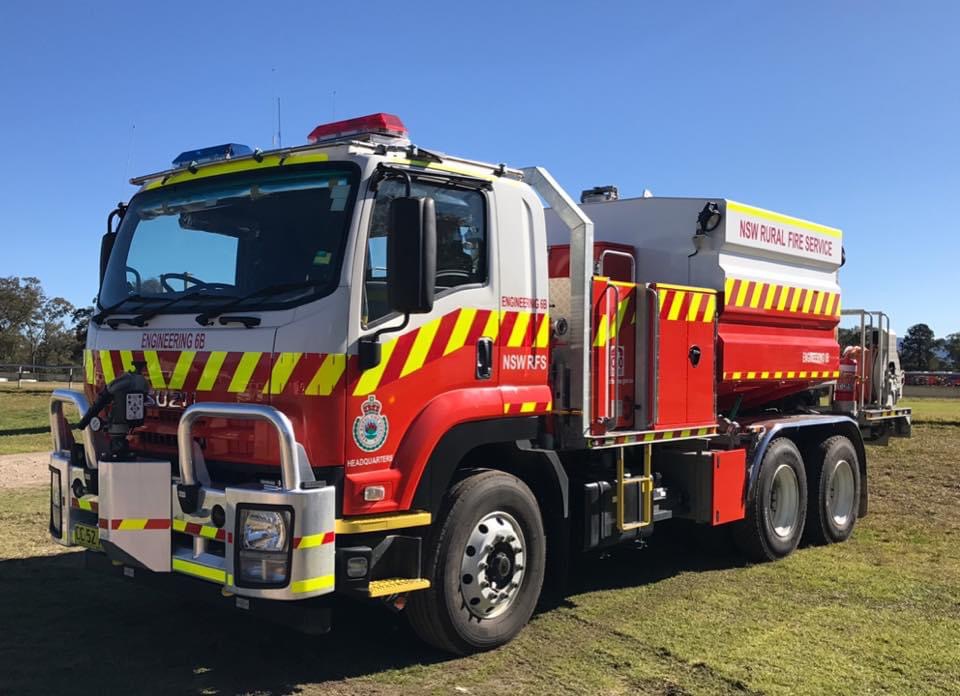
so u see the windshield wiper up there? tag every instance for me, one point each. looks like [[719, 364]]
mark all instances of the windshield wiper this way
[[142, 318], [107, 311], [204, 318]]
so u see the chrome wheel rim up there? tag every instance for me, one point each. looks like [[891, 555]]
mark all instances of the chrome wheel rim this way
[[784, 501], [492, 566], [840, 493]]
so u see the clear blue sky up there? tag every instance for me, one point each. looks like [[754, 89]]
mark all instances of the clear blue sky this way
[[847, 113]]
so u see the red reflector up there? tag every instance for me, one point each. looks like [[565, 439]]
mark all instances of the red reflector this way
[[387, 124]]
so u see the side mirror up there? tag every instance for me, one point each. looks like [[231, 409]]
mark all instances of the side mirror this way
[[106, 246], [411, 255]]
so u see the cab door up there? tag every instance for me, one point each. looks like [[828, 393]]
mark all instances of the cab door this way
[[451, 348]]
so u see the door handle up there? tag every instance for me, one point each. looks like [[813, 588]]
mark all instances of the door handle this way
[[485, 358]]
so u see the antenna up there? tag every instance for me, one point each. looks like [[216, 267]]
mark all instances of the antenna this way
[[279, 136], [333, 106]]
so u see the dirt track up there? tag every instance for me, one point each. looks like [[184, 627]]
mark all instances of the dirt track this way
[[22, 470]]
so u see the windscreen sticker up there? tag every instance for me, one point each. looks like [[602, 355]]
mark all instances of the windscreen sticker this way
[[338, 198], [322, 258]]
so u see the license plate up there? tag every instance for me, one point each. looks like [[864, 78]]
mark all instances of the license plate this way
[[88, 536]]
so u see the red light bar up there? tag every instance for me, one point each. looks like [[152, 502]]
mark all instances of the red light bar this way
[[384, 124]]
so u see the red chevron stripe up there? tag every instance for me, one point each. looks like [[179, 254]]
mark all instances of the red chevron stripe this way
[[443, 336], [506, 327], [476, 329], [399, 357]]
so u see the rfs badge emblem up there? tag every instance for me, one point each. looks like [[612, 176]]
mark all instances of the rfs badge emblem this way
[[371, 427]]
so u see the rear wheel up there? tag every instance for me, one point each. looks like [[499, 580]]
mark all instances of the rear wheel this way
[[834, 492], [775, 516], [485, 562]]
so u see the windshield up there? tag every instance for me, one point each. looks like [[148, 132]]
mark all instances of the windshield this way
[[212, 242]]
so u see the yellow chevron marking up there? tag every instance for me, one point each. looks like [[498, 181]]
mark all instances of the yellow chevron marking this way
[[550, 405], [621, 312], [154, 370], [245, 368], [791, 375], [283, 366], [327, 376], [836, 310], [703, 431], [677, 305], [312, 540], [831, 298], [736, 375], [814, 374], [807, 299], [795, 301], [132, 525], [818, 305], [684, 433], [777, 375], [181, 369], [543, 333], [198, 570], [492, 329], [601, 339], [751, 375], [711, 309], [370, 379], [506, 408], [661, 297], [694, 306], [312, 584], [528, 406], [421, 345], [757, 292], [208, 378], [460, 330], [782, 300], [803, 375], [728, 288], [519, 330], [742, 293], [88, 366], [768, 300], [764, 375], [126, 359], [106, 364]]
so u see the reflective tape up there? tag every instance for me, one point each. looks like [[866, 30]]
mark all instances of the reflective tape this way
[[312, 584]]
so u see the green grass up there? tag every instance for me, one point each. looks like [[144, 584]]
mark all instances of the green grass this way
[[878, 614], [927, 410], [26, 409]]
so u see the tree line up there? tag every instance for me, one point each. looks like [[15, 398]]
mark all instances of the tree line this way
[[920, 349], [39, 330]]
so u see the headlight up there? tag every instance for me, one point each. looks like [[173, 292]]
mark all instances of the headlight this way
[[56, 509], [263, 547], [264, 530]]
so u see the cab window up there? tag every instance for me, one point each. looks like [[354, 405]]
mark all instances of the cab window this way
[[461, 241]]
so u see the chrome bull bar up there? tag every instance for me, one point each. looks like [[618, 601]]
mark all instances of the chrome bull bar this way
[[291, 460]]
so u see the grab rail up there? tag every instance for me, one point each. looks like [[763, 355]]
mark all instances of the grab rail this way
[[289, 470]]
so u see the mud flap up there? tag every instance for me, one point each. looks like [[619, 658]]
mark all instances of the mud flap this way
[[135, 509]]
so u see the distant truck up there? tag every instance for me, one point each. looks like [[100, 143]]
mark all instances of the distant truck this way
[[361, 368]]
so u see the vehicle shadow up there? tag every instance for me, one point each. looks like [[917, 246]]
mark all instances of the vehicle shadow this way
[[66, 628]]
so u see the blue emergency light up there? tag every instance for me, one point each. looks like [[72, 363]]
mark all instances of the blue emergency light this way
[[212, 154]]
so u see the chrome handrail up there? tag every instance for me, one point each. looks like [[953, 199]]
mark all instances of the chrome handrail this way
[[290, 472], [59, 397]]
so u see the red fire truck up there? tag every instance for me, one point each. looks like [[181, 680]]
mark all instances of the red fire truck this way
[[361, 368]]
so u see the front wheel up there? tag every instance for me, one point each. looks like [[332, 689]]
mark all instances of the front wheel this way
[[485, 562]]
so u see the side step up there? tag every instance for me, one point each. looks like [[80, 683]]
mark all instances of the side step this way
[[393, 586]]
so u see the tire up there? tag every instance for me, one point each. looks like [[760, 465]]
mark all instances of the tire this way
[[456, 613], [834, 492], [777, 512]]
